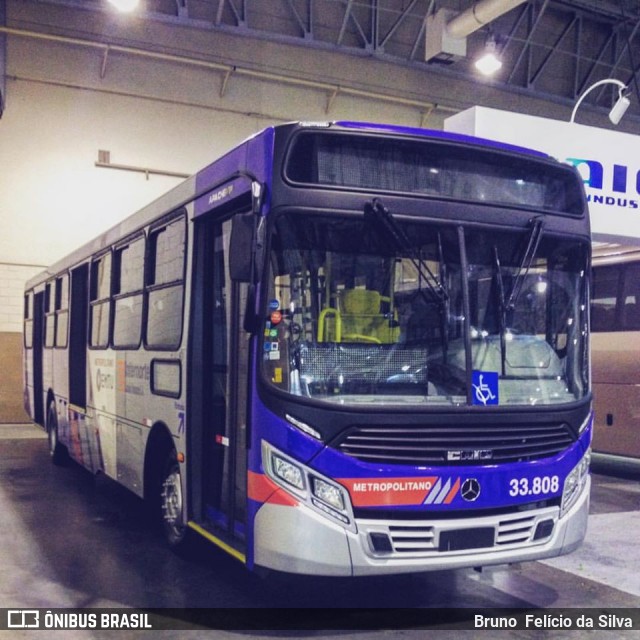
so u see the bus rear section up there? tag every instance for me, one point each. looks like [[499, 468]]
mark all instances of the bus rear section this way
[[615, 326]]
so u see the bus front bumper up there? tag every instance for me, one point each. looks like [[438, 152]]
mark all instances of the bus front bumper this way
[[296, 539]]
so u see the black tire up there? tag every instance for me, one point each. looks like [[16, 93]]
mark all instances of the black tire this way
[[57, 451], [174, 526]]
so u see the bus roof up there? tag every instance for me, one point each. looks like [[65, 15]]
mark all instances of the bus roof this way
[[442, 135]]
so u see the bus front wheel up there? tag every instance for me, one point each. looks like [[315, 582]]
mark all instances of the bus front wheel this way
[[174, 526]]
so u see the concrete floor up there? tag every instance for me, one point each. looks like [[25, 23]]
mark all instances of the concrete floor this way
[[68, 539]]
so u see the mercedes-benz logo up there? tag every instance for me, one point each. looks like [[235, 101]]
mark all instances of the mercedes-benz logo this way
[[470, 490]]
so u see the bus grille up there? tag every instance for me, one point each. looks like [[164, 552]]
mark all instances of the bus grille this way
[[423, 538], [455, 445], [416, 537]]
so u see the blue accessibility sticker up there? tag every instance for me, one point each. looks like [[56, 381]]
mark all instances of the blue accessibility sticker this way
[[485, 387]]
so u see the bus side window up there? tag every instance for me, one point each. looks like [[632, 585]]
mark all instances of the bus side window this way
[[631, 298], [604, 297], [100, 301], [128, 283], [28, 320], [165, 286], [62, 310], [50, 316]]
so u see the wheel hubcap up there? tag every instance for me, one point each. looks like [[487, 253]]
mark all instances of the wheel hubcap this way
[[53, 438], [172, 500]]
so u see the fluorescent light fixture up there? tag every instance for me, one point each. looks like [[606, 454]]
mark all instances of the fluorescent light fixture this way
[[489, 62], [126, 6], [618, 109]]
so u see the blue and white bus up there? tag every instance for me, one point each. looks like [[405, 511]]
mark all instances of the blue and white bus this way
[[340, 349]]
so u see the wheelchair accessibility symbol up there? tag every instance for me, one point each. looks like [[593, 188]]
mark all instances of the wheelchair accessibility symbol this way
[[485, 387]]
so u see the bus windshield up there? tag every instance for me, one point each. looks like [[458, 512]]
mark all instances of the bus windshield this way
[[449, 316]]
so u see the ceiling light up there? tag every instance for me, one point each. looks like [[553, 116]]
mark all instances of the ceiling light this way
[[489, 62], [126, 6], [618, 109]]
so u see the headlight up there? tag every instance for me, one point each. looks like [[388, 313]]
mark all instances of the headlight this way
[[575, 482], [328, 493], [317, 492], [287, 471]]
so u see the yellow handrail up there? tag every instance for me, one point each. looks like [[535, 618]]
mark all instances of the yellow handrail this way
[[321, 323]]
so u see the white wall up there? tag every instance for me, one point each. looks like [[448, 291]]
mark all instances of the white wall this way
[[60, 112], [12, 279]]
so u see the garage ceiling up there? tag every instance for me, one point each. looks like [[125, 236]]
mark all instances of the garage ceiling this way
[[552, 49]]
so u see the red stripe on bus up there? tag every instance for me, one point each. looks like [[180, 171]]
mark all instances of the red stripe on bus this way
[[452, 494], [262, 489]]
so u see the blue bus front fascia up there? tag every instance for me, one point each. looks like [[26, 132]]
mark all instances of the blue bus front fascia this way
[[500, 486], [532, 482], [496, 481]]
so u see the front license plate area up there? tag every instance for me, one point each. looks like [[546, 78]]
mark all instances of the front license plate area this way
[[461, 539]]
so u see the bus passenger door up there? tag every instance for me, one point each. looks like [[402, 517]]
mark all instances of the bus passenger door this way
[[78, 336], [218, 380]]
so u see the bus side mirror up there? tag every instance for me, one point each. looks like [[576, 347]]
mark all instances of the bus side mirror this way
[[242, 247]]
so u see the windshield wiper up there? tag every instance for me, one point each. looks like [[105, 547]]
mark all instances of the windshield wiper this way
[[387, 226], [502, 310], [507, 306], [526, 261]]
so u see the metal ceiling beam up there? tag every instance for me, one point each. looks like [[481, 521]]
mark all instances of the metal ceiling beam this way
[[239, 15], [306, 29], [182, 8], [587, 79], [399, 20], [578, 54], [622, 53], [422, 105], [533, 40], [553, 51], [419, 39], [349, 15], [526, 47]]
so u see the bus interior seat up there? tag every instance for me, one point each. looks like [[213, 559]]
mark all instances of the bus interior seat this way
[[359, 318]]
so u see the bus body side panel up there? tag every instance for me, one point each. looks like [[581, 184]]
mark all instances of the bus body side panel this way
[[616, 389], [130, 391]]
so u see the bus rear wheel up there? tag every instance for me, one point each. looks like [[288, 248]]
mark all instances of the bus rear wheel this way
[[174, 527], [57, 451]]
